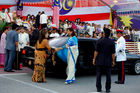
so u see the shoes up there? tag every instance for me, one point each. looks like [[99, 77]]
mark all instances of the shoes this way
[[11, 71], [99, 90], [107, 91], [5, 70], [119, 82], [69, 81], [18, 69], [41, 81]]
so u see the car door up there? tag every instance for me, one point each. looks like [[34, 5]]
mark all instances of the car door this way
[[86, 53]]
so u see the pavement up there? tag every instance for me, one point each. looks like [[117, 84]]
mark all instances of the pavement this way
[[21, 82], [24, 70]]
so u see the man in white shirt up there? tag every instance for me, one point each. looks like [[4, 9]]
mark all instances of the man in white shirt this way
[[23, 39], [91, 29], [54, 33], [66, 25], [43, 20], [19, 21], [120, 57], [3, 14], [138, 33], [9, 16]]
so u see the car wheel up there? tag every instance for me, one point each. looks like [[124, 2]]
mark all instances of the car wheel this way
[[137, 68]]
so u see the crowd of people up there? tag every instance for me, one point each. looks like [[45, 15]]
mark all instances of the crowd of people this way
[[82, 29]]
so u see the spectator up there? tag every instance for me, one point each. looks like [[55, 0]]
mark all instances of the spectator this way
[[65, 34], [81, 35], [65, 25], [94, 35], [98, 29], [91, 30], [23, 39], [87, 35], [43, 20], [28, 16], [11, 46], [14, 16], [38, 19], [3, 45], [61, 32], [9, 16], [3, 14], [100, 35], [54, 33], [35, 35], [19, 22]]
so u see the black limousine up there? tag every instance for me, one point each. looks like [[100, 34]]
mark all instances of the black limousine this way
[[84, 63]]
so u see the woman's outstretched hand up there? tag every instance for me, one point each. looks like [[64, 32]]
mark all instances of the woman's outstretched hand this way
[[57, 49]]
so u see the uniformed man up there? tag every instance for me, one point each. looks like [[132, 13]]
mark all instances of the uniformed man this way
[[9, 16], [104, 58], [120, 57], [3, 14]]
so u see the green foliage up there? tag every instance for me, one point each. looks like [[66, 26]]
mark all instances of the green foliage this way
[[2, 25]]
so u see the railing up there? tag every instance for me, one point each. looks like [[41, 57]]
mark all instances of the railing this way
[[133, 47]]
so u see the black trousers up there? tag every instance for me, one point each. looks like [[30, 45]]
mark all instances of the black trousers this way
[[38, 25], [121, 71], [43, 26], [17, 61], [99, 71]]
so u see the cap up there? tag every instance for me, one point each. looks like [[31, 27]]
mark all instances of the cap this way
[[119, 31]]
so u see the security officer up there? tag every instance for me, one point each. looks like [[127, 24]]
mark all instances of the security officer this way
[[104, 58], [120, 57]]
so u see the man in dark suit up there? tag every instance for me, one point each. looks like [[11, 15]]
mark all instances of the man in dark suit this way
[[104, 58], [35, 35], [38, 19]]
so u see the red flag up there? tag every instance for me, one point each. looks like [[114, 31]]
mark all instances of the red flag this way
[[56, 16], [56, 13]]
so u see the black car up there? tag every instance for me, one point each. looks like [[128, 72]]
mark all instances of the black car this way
[[84, 63]]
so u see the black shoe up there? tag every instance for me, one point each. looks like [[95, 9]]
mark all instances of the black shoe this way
[[107, 91], [11, 71], [19, 69], [5, 70], [119, 82], [99, 90]]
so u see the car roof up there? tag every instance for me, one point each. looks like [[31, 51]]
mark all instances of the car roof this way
[[86, 39]]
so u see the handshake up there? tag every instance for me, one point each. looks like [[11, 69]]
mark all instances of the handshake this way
[[58, 49]]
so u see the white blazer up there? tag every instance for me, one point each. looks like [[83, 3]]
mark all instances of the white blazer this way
[[43, 19], [120, 50]]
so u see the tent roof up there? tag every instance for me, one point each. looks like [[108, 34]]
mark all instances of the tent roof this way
[[33, 0], [127, 7]]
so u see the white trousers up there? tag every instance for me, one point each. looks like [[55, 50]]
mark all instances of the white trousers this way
[[71, 65]]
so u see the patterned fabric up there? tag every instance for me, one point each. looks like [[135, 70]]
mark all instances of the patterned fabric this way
[[2, 59], [40, 60]]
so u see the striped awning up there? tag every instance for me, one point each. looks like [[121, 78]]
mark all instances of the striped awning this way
[[131, 12], [33, 0]]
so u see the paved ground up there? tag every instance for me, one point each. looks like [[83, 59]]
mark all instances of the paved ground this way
[[21, 83]]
